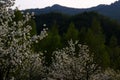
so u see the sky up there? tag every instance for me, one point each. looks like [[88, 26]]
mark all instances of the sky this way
[[27, 4]]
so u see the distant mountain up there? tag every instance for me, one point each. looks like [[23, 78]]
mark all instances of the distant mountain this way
[[57, 8], [112, 10]]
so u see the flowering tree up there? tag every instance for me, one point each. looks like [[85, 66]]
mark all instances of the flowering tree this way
[[19, 62], [16, 54], [108, 74], [6, 3], [72, 64]]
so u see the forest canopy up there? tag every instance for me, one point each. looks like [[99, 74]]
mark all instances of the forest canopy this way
[[57, 47]]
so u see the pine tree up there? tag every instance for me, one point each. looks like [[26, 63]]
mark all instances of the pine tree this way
[[72, 33], [96, 40]]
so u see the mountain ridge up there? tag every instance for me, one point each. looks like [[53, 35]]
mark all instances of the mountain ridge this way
[[112, 10]]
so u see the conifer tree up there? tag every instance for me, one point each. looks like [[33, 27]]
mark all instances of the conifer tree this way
[[96, 40], [114, 51], [72, 33]]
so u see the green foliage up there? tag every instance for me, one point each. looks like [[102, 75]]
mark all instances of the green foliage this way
[[113, 42], [96, 40], [109, 27], [96, 33], [18, 15], [82, 34], [33, 25], [21, 58], [114, 51], [52, 41], [49, 44], [72, 33]]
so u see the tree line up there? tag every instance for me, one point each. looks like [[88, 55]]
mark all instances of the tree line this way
[[100, 33], [75, 54]]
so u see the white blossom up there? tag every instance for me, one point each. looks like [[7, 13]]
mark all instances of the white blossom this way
[[70, 64], [19, 62], [16, 56]]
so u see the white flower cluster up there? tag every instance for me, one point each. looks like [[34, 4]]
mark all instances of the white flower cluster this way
[[70, 64], [19, 62], [15, 45], [108, 74], [6, 3]]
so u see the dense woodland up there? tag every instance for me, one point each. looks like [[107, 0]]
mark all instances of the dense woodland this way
[[56, 46], [100, 33]]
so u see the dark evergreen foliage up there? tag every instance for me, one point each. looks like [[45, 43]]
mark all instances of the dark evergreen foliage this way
[[89, 28]]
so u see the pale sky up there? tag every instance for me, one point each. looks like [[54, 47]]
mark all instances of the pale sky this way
[[26, 4]]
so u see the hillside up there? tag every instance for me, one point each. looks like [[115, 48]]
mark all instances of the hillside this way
[[110, 27], [100, 33], [112, 10]]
